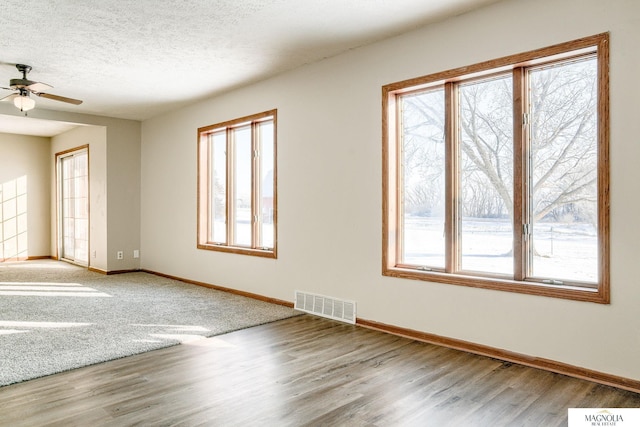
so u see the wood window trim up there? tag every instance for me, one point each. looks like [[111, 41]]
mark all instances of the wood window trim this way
[[391, 165], [204, 179]]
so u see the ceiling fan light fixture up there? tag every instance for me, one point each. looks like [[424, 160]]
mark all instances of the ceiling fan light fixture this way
[[24, 103]]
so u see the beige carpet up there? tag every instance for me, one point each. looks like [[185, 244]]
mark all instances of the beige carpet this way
[[55, 316]]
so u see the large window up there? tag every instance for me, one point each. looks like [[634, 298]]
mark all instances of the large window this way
[[236, 186], [496, 174]]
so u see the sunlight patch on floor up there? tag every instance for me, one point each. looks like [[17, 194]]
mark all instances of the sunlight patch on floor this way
[[48, 289], [11, 331], [177, 328], [18, 324], [213, 342], [178, 337]]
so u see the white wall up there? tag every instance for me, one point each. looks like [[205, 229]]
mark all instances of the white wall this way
[[95, 137], [115, 197], [329, 188], [115, 182], [27, 157], [123, 193]]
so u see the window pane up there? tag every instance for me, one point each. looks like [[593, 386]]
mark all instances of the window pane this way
[[68, 206], [218, 186], [423, 180], [81, 239], [68, 250], [486, 175], [265, 138], [80, 166], [242, 186], [564, 208]]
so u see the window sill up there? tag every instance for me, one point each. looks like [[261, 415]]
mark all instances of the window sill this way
[[575, 293], [263, 253]]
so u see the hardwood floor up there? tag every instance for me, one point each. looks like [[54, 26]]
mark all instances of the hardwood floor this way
[[304, 371]]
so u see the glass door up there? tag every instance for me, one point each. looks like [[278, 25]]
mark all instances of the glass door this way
[[73, 206]]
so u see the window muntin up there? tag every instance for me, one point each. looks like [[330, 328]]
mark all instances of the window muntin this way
[[512, 166], [236, 186]]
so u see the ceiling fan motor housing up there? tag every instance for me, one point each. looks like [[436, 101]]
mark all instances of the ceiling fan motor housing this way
[[23, 82], [20, 83]]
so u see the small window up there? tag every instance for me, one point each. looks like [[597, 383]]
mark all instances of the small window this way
[[496, 175], [237, 186]]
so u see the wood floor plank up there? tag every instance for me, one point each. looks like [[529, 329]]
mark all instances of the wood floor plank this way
[[303, 371]]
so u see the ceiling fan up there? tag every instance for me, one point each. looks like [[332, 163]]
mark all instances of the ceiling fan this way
[[24, 87]]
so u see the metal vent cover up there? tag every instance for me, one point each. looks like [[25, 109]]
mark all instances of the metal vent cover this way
[[332, 308]]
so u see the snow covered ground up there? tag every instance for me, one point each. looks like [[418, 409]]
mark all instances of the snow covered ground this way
[[562, 250]]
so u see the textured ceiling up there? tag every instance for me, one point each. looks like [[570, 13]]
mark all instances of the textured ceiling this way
[[138, 59]]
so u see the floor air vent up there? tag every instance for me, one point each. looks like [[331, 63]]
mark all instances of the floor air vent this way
[[332, 308]]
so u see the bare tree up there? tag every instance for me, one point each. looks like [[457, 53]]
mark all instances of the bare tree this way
[[563, 152], [563, 133], [486, 132], [423, 152]]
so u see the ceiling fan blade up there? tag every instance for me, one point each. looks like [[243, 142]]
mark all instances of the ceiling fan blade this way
[[9, 97], [38, 87], [59, 98]]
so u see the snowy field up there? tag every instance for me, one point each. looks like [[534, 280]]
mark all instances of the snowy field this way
[[562, 250], [243, 229]]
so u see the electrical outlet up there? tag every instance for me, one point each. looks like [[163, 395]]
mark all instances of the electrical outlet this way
[[136, 253], [120, 255]]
